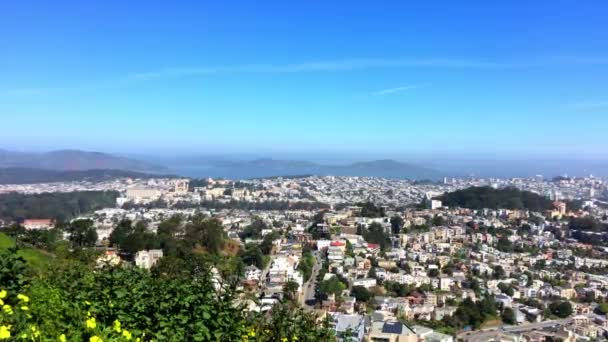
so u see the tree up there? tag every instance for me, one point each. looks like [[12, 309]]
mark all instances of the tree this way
[[499, 272], [120, 234], [438, 221], [252, 255], [396, 224], [268, 242], [361, 293], [82, 233], [368, 209], [504, 245], [306, 265], [561, 309], [332, 285], [433, 272], [603, 308], [205, 233], [508, 316], [254, 230], [169, 232], [289, 290], [375, 234]]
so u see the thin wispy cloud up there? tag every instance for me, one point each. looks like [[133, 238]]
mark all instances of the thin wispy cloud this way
[[396, 90], [322, 66], [341, 65]]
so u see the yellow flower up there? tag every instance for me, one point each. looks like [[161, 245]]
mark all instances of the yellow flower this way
[[87, 302], [23, 298], [3, 294], [1, 302], [117, 326], [5, 332], [91, 323], [95, 339], [7, 308], [284, 339], [62, 338], [24, 308], [252, 333], [126, 334], [23, 336]]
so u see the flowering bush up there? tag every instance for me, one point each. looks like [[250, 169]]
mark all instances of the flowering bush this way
[[74, 302]]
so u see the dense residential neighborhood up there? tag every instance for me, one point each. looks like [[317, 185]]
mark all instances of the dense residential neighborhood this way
[[382, 259]]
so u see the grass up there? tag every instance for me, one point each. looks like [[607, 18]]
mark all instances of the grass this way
[[33, 256]]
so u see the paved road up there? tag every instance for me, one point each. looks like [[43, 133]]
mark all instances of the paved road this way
[[308, 288], [485, 334]]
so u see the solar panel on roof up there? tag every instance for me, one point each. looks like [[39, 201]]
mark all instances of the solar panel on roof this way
[[392, 328]]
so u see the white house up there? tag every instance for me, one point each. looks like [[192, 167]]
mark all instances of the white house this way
[[147, 259]]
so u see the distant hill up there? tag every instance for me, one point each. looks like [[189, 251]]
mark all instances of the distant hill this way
[[260, 168], [487, 197], [387, 168], [32, 176], [74, 160], [61, 206]]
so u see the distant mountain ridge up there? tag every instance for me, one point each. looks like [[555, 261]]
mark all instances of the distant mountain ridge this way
[[34, 176], [74, 160], [267, 167]]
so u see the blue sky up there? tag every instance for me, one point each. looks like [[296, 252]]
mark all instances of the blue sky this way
[[516, 78]]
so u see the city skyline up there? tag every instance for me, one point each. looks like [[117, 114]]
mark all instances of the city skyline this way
[[506, 81]]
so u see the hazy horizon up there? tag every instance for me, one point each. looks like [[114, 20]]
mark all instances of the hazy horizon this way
[[511, 80]]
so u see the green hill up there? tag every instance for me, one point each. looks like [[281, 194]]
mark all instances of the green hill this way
[[35, 257], [487, 197]]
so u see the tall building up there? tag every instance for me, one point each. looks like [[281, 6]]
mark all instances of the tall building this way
[[181, 186]]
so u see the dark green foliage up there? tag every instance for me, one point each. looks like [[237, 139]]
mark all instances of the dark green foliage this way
[[375, 234], [587, 223], [508, 316], [82, 233], [39, 238], [472, 314], [205, 233], [487, 197], [252, 255], [437, 221], [506, 289], [254, 230], [289, 290], [396, 224], [561, 309], [397, 289], [13, 270], [332, 285], [504, 245], [56, 205], [306, 265], [369, 209], [267, 243], [169, 233], [181, 305], [131, 239], [361, 293]]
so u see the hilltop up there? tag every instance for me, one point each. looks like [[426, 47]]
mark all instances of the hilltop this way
[[15, 175], [73, 160], [488, 197]]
